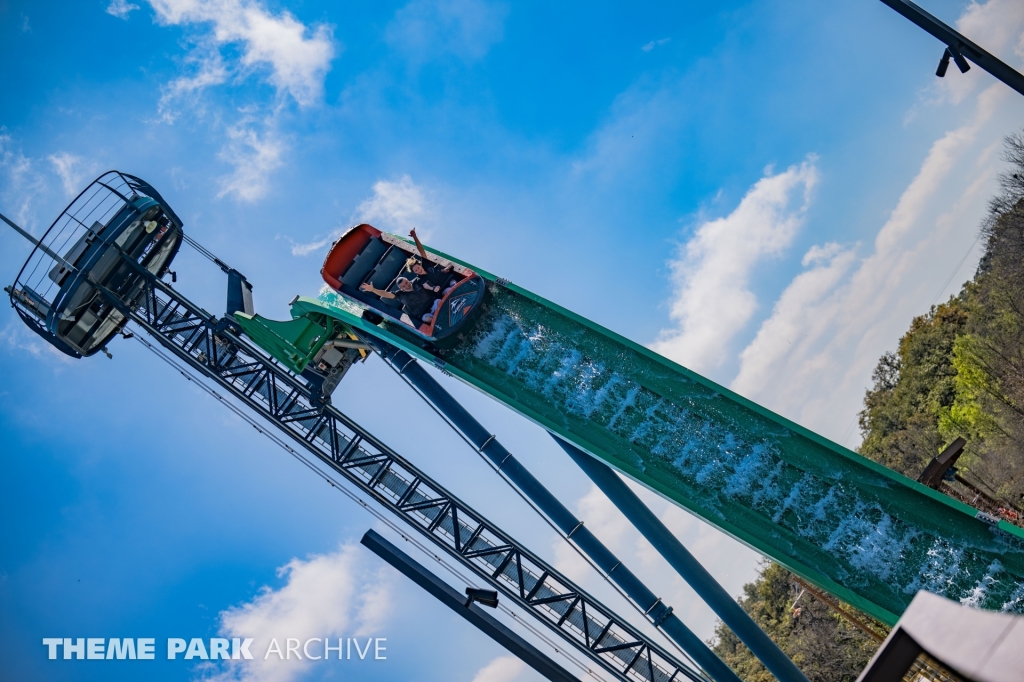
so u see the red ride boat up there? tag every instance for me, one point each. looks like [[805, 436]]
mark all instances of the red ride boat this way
[[365, 266]]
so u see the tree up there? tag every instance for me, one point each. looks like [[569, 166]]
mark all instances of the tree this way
[[899, 421], [823, 645], [959, 369]]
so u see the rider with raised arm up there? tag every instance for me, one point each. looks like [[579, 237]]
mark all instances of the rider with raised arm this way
[[415, 299], [431, 275]]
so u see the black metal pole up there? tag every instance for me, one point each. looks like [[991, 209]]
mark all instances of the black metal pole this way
[[660, 614], [445, 594], [38, 244], [685, 564], [958, 46]]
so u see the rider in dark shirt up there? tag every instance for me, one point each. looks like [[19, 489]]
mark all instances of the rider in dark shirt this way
[[432, 275], [415, 299]]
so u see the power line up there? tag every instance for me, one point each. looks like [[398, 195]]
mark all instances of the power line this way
[[956, 270]]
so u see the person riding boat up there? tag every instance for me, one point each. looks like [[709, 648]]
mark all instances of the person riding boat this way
[[418, 302], [431, 275], [448, 296], [419, 244]]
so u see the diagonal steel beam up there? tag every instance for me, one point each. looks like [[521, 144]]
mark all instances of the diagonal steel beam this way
[[443, 592], [957, 44]]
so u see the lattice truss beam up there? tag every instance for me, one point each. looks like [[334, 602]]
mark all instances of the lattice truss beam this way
[[208, 345]]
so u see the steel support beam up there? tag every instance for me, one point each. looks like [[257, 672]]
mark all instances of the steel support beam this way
[[958, 46], [444, 593], [36, 243], [287, 401], [660, 614], [686, 565]]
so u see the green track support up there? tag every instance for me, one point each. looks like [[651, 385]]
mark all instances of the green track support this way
[[293, 343], [852, 527]]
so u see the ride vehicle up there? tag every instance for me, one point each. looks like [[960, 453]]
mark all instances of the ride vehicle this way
[[366, 256]]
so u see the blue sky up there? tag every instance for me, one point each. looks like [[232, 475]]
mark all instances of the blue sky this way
[[764, 191]]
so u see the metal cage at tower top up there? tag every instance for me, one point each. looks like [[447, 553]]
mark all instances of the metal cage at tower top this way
[[61, 290]]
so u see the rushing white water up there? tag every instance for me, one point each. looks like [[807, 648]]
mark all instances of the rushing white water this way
[[716, 459]]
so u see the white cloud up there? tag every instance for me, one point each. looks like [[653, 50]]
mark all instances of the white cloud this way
[[297, 56], [207, 69], [812, 357], [329, 595], [22, 183], [501, 669], [712, 301], [395, 206], [254, 155], [464, 28], [794, 316], [998, 25], [69, 169], [315, 245], [120, 8], [655, 43], [25, 180], [18, 338]]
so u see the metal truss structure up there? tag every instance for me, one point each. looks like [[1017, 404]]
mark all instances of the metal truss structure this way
[[294, 405]]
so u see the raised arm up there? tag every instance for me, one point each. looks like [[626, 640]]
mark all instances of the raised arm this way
[[366, 286], [419, 245]]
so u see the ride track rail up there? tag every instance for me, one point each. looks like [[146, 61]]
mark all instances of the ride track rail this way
[[207, 344], [852, 527]]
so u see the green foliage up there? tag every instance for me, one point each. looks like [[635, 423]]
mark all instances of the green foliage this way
[[967, 416], [824, 646], [959, 369], [911, 387]]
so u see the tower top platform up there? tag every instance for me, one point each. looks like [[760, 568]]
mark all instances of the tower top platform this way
[[118, 226]]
